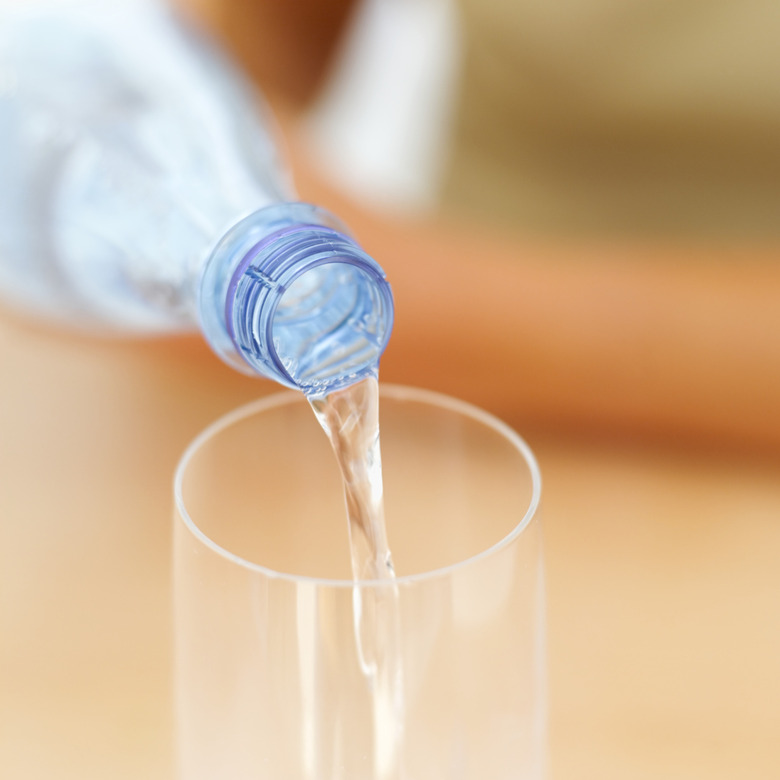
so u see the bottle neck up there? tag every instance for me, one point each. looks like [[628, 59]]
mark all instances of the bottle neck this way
[[286, 294]]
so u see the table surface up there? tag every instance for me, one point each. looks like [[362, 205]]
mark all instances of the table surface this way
[[663, 577]]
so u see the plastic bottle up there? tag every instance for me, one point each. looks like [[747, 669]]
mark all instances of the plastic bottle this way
[[141, 192]]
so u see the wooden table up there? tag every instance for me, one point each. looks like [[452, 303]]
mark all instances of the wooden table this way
[[663, 577]]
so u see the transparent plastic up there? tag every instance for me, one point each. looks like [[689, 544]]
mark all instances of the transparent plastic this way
[[135, 156], [268, 676], [288, 294]]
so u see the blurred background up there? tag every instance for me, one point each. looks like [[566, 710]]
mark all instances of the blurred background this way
[[642, 118], [577, 206]]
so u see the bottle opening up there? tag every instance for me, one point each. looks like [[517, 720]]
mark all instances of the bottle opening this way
[[309, 308], [330, 326]]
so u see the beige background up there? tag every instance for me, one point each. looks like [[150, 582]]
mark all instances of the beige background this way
[[634, 118], [663, 577]]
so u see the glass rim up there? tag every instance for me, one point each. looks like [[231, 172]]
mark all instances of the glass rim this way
[[397, 392]]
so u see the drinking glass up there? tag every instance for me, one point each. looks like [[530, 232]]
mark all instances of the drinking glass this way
[[271, 669]]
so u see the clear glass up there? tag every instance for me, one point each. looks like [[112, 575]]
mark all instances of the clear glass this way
[[268, 677]]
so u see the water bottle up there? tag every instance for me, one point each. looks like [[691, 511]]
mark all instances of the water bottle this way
[[142, 192]]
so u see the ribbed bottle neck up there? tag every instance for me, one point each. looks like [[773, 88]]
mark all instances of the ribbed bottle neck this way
[[273, 261], [300, 302]]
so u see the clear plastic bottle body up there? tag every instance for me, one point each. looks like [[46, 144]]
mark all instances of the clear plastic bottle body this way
[[135, 160], [128, 145]]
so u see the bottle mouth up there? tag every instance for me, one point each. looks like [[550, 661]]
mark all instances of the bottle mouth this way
[[309, 308]]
